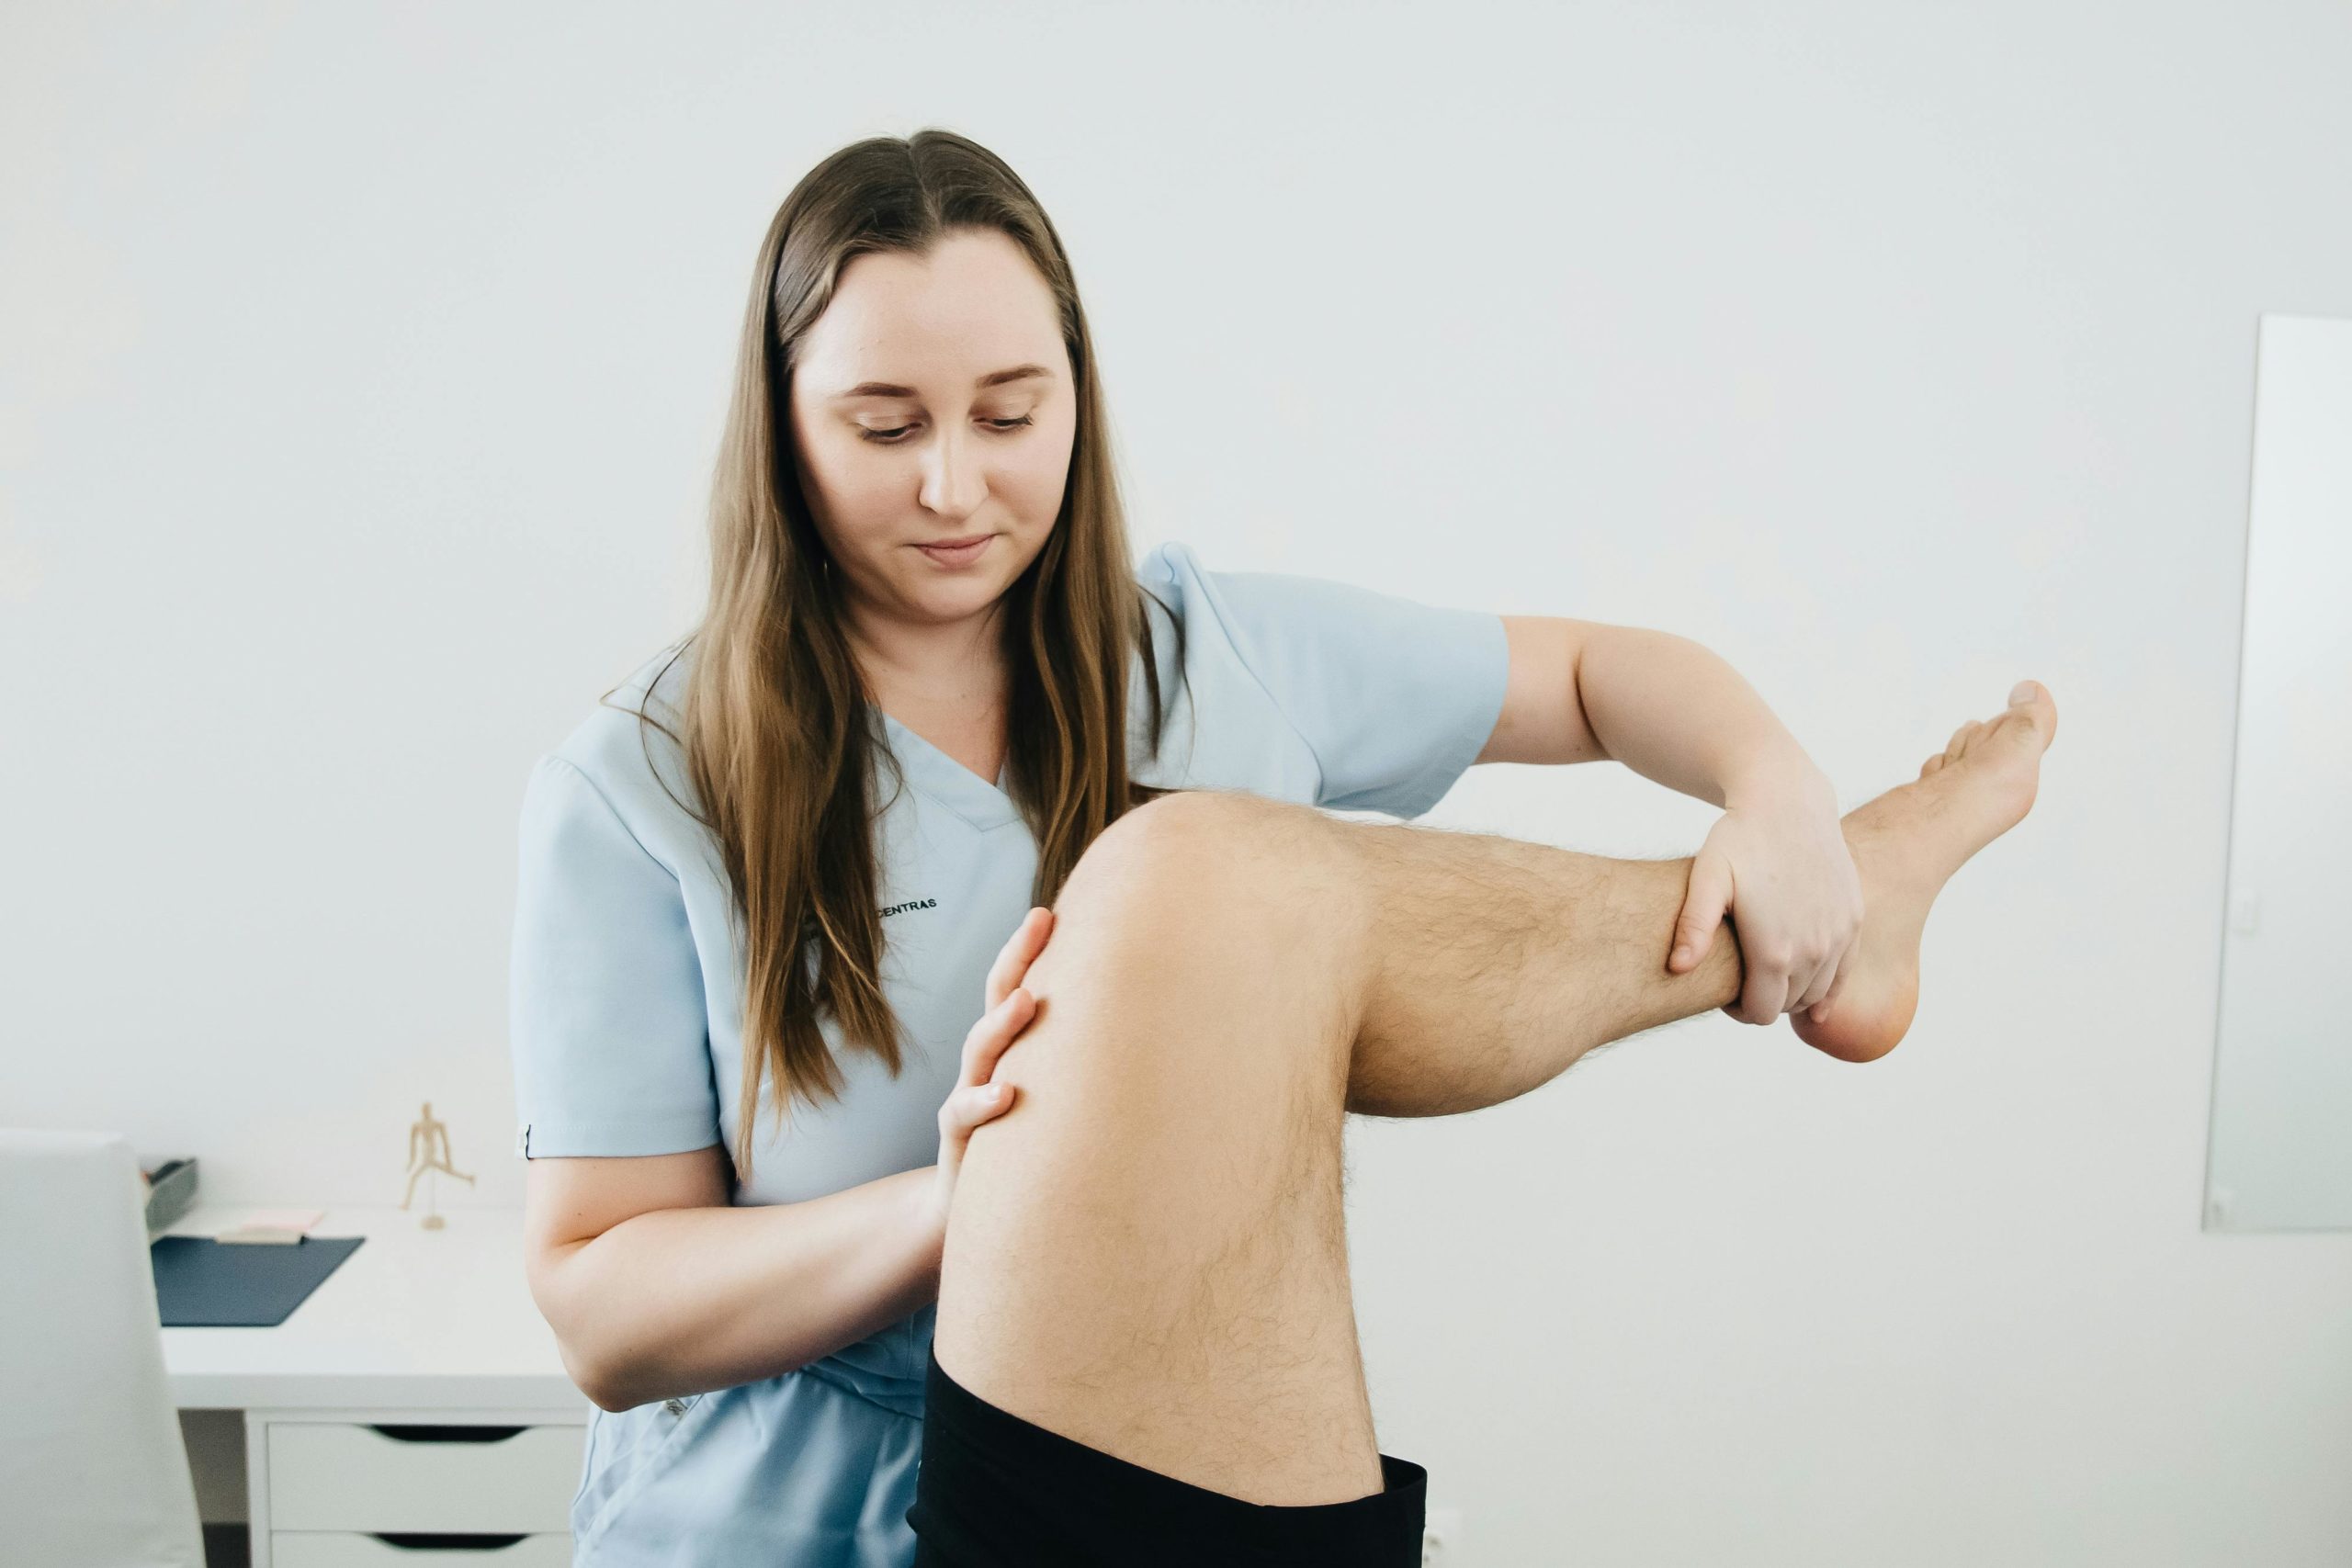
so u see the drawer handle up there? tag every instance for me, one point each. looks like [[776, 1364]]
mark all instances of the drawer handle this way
[[417, 1434], [411, 1542]]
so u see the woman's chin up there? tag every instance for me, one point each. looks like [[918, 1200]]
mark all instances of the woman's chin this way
[[944, 603]]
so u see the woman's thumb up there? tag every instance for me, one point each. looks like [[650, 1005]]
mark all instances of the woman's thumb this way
[[1702, 911]]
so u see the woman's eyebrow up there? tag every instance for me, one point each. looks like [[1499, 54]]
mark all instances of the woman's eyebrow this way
[[993, 379]]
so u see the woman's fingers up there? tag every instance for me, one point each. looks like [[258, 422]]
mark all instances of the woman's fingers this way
[[1816, 988], [968, 1101], [1019, 952], [969, 1107], [988, 1039], [1837, 981], [1007, 959], [1010, 1009], [1767, 995], [1825, 980], [1805, 984], [1012, 1017], [1005, 973], [974, 1098]]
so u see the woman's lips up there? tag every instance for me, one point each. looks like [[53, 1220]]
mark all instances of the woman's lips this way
[[957, 555]]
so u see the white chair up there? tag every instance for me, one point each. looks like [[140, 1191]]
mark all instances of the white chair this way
[[93, 1473]]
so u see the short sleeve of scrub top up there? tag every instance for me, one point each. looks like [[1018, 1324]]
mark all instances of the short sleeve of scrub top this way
[[606, 1004], [626, 982], [1391, 698]]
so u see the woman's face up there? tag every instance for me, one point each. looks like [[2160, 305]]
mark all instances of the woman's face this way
[[933, 403]]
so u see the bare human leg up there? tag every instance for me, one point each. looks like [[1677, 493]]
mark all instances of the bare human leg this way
[[1147, 1252]]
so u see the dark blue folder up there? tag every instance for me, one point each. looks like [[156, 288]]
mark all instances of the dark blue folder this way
[[201, 1283]]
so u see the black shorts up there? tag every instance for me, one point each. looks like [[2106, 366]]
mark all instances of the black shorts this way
[[994, 1491]]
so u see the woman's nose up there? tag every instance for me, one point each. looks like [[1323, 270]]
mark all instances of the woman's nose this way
[[954, 484]]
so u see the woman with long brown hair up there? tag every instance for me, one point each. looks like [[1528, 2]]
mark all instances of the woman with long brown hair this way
[[781, 859], [766, 893]]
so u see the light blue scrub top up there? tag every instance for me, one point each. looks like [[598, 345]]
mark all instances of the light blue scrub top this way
[[627, 1002]]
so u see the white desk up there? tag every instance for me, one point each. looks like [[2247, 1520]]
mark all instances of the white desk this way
[[366, 1410]]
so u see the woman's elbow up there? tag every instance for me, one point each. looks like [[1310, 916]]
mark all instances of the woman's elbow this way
[[588, 1372]]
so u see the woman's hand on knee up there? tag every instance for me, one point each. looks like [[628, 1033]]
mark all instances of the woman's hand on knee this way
[[975, 1099]]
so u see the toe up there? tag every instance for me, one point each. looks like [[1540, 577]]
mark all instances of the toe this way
[[2033, 705]]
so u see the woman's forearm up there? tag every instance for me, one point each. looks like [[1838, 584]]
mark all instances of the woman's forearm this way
[[682, 1301], [1675, 713]]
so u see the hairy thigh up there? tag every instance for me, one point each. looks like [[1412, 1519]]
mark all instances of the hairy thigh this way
[[1152, 1235]]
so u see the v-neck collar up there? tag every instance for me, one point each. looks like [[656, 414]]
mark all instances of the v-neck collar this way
[[948, 781]]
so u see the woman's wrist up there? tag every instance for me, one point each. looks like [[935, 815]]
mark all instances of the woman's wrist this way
[[1778, 778]]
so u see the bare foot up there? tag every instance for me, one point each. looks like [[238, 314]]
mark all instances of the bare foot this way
[[1906, 843]]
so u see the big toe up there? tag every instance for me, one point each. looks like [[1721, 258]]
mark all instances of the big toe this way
[[2032, 701]]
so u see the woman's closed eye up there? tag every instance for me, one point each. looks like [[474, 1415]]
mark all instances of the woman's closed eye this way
[[890, 437]]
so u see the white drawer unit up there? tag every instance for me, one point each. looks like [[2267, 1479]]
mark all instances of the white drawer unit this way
[[420, 1477], [327, 1549], [346, 1489]]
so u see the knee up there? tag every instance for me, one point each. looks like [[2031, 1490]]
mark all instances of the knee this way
[[1197, 911], [1215, 859], [1190, 848]]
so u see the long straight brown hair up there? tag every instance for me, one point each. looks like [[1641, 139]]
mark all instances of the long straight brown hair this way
[[775, 712]]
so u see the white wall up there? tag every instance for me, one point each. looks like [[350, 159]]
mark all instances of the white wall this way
[[360, 370]]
